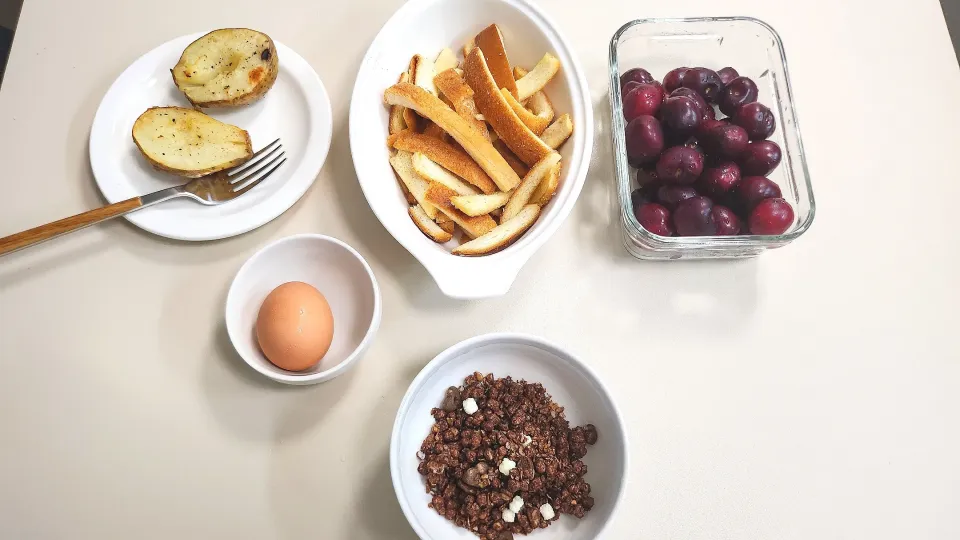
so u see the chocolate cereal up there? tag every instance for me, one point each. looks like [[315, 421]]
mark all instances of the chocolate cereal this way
[[512, 466]]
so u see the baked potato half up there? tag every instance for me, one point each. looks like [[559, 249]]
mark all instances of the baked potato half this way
[[189, 143], [227, 68]]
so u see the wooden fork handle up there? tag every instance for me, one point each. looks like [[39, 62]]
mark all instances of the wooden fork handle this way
[[66, 225]]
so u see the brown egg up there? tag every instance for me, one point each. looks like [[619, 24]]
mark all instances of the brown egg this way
[[295, 326]]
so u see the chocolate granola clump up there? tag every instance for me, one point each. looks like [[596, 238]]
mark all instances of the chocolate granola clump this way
[[518, 429]]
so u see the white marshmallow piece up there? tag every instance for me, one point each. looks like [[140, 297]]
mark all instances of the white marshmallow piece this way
[[470, 405], [516, 504], [507, 465], [527, 440], [508, 515], [547, 512]]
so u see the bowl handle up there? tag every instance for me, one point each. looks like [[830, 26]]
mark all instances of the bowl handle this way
[[481, 279]]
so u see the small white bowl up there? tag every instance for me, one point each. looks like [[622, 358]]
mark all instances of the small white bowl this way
[[573, 386], [337, 271], [426, 27]]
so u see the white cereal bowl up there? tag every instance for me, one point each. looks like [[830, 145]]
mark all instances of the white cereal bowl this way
[[337, 271], [573, 386], [426, 27]]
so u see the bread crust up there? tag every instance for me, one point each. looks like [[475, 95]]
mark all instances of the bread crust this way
[[456, 161], [490, 41], [501, 236], [517, 136]]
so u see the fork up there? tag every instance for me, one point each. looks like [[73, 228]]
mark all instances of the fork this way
[[210, 190]]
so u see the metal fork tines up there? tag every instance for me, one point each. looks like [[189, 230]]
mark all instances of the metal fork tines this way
[[243, 172], [231, 183]]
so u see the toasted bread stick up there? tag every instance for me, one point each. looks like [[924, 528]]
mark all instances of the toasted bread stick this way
[[441, 197], [521, 196], [406, 192], [539, 104], [447, 59], [430, 171], [518, 166], [533, 82], [548, 187], [479, 148], [501, 236], [403, 166], [518, 137], [451, 85], [478, 205], [445, 155], [397, 122], [558, 132], [433, 130], [427, 225], [448, 226], [410, 117], [532, 121], [423, 74], [490, 41]]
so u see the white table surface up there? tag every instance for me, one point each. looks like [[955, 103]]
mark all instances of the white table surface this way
[[813, 392]]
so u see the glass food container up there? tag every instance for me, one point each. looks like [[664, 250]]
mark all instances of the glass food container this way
[[754, 49]]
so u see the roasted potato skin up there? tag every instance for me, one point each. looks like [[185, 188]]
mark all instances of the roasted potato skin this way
[[261, 74], [186, 173]]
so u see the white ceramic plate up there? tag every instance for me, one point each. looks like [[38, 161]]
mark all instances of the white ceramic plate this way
[[426, 27], [573, 386], [296, 109], [337, 271]]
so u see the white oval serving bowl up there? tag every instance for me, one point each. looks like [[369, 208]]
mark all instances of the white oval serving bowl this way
[[337, 271], [573, 386], [426, 27]]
